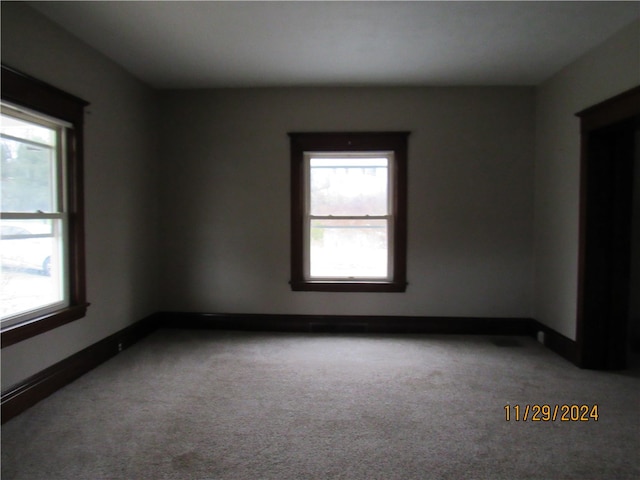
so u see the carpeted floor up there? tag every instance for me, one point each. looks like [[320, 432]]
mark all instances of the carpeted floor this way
[[235, 406]]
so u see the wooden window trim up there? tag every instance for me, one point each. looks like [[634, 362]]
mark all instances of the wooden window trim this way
[[347, 142], [25, 91]]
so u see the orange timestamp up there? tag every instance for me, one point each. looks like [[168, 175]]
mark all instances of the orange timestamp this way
[[551, 413]]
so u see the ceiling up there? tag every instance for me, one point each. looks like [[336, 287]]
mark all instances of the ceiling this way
[[252, 44]]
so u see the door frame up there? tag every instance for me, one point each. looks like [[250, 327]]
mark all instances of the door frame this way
[[600, 342]]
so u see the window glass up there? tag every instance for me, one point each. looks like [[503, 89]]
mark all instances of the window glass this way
[[29, 165], [349, 249], [348, 186]]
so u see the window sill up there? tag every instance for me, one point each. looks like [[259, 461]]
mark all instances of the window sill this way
[[36, 326], [329, 286]]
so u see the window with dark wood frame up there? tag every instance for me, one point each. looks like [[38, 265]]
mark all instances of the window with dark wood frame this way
[[391, 145], [20, 91]]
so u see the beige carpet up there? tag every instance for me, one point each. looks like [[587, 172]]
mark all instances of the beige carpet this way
[[231, 405]]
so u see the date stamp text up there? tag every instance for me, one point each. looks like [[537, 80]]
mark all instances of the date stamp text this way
[[551, 413]]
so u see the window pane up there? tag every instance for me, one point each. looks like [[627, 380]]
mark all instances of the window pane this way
[[18, 128], [348, 186], [28, 167], [349, 248], [31, 275]]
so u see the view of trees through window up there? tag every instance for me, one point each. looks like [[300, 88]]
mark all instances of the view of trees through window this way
[[28, 166]]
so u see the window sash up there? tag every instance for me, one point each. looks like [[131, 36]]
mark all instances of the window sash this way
[[352, 189], [61, 128], [309, 217], [58, 284], [387, 225]]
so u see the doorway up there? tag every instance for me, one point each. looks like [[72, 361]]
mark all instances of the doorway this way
[[606, 323]]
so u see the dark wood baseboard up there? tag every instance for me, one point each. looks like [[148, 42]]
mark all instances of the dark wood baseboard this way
[[27, 393], [558, 343], [348, 323]]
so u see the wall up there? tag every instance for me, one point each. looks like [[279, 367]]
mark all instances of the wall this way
[[225, 198], [605, 71], [120, 185]]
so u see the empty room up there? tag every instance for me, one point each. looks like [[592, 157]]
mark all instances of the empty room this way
[[200, 281]]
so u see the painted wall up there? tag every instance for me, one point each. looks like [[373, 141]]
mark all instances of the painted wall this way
[[120, 185], [605, 71], [225, 198]]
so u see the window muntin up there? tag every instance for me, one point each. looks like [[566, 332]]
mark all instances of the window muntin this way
[[34, 219], [346, 238]]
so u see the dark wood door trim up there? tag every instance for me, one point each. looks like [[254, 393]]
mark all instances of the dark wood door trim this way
[[615, 109], [605, 229]]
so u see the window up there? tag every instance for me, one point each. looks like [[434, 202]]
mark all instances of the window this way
[[41, 222], [348, 211]]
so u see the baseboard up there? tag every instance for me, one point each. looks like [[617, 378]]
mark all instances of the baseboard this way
[[558, 343], [348, 323], [27, 393]]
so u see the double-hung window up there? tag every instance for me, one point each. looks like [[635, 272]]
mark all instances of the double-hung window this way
[[41, 223], [349, 211]]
